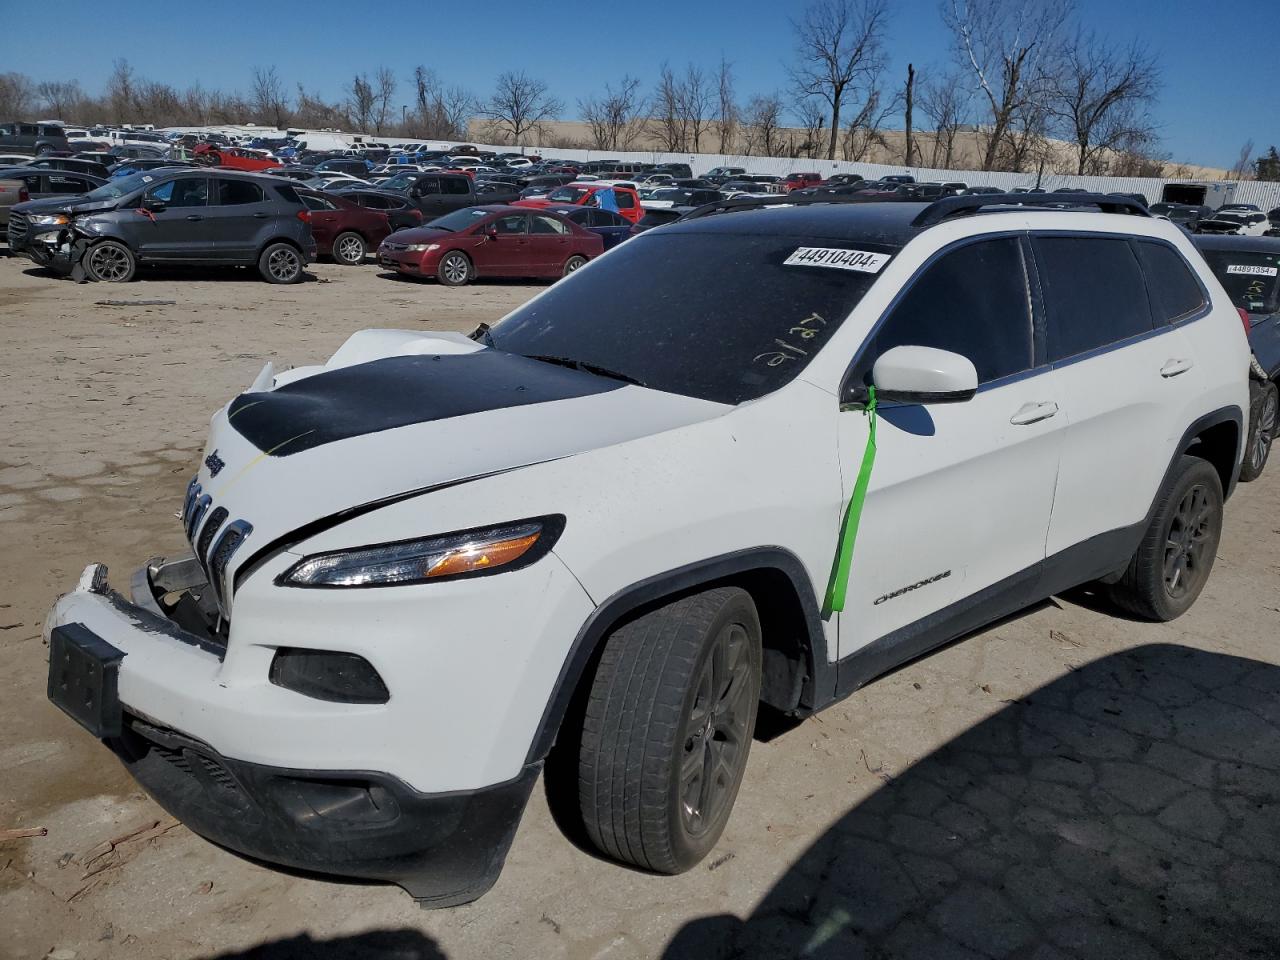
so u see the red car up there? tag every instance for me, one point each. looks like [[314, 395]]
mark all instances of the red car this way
[[232, 158], [583, 194], [490, 241], [797, 181], [344, 230]]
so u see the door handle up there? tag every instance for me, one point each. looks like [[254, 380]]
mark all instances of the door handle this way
[[194, 217], [260, 216], [1034, 412], [1172, 368]]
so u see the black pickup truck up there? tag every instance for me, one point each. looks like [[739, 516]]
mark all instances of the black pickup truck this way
[[436, 194]]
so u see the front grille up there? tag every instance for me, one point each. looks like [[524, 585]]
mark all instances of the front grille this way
[[17, 228], [216, 519]]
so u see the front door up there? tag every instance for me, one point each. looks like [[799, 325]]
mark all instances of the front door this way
[[171, 221], [506, 251], [960, 496]]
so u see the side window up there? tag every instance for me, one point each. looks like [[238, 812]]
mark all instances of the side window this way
[[236, 192], [1174, 292], [455, 185], [63, 184], [547, 225], [313, 202], [973, 301], [374, 202], [27, 129], [518, 223], [625, 200], [426, 186], [1094, 293]]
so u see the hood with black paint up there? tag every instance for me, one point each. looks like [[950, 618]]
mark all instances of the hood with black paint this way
[[394, 414]]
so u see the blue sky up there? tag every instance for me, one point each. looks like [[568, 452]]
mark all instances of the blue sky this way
[[1221, 72]]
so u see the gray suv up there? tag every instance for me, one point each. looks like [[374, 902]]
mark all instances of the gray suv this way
[[181, 216], [36, 139]]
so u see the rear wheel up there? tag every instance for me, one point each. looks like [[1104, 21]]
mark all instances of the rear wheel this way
[[668, 727], [454, 269], [110, 261], [573, 263], [349, 249], [280, 263], [1263, 415], [1174, 559]]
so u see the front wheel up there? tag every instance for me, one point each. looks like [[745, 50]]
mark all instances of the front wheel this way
[[573, 263], [668, 727], [1173, 561], [349, 249], [1263, 410], [280, 263], [454, 269], [110, 262]]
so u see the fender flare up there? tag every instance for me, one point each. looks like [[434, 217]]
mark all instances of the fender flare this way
[[820, 682]]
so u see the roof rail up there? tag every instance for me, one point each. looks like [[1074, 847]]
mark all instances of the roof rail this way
[[755, 203], [949, 207]]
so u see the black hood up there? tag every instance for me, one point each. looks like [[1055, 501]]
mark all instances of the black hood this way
[[76, 204]]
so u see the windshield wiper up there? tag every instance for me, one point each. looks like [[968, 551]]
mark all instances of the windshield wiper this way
[[589, 368]]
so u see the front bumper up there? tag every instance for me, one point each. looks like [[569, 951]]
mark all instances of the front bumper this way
[[443, 849], [356, 817], [405, 261]]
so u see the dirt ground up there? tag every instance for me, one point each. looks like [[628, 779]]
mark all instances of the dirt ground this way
[[1065, 783]]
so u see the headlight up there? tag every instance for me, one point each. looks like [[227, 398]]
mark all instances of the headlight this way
[[422, 247], [49, 220], [468, 553]]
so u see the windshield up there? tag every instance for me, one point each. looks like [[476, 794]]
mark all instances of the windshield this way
[[115, 189], [1252, 280], [400, 181], [459, 219], [567, 194], [727, 321]]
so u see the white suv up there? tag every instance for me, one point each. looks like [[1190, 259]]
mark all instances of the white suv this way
[[622, 517]]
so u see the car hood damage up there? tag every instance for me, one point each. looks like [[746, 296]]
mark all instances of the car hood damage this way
[[394, 414]]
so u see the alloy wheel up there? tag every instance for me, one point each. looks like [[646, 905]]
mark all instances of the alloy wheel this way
[[351, 250], [109, 263], [455, 269], [1186, 559], [283, 264], [716, 733], [1261, 445]]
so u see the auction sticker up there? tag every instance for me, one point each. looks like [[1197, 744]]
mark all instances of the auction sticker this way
[[1251, 271], [864, 261]]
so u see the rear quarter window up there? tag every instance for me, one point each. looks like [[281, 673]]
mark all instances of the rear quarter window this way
[[287, 194], [1175, 294], [1094, 293]]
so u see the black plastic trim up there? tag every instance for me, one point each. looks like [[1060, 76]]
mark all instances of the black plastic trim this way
[[820, 682], [552, 527]]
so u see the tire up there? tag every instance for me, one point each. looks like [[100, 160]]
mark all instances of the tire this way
[[1263, 419], [280, 263], [646, 721], [573, 263], [1174, 559], [110, 261], [349, 249], [455, 269]]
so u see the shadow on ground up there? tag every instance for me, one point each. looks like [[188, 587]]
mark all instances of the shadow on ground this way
[[1129, 810], [372, 945]]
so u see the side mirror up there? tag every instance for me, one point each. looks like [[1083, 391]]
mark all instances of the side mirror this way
[[155, 206], [919, 375], [492, 233]]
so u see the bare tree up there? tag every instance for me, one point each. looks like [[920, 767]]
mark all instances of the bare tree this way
[[440, 113], [1101, 96], [612, 117], [910, 99], [694, 100], [384, 92], [665, 115], [1012, 48], [268, 99], [866, 129], [1139, 155], [839, 49], [314, 111], [726, 122], [1241, 168], [812, 118], [16, 95], [121, 92], [59, 98], [361, 100], [520, 104], [762, 126], [945, 102]]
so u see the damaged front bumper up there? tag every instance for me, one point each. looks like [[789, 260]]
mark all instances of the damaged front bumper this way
[[60, 249], [133, 675]]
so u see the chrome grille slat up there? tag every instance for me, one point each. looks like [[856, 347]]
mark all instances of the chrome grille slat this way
[[216, 518]]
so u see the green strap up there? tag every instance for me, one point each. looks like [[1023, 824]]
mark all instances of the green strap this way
[[839, 584]]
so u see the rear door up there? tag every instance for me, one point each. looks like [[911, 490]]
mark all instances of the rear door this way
[[324, 220], [237, 216], [1126, 380], [549, 243]]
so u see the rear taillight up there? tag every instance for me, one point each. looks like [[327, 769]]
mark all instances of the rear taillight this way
[[23, 195], [304, 215], [1244, 318]]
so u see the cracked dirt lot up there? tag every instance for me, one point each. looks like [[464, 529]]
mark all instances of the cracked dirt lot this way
[[1062, 784]]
